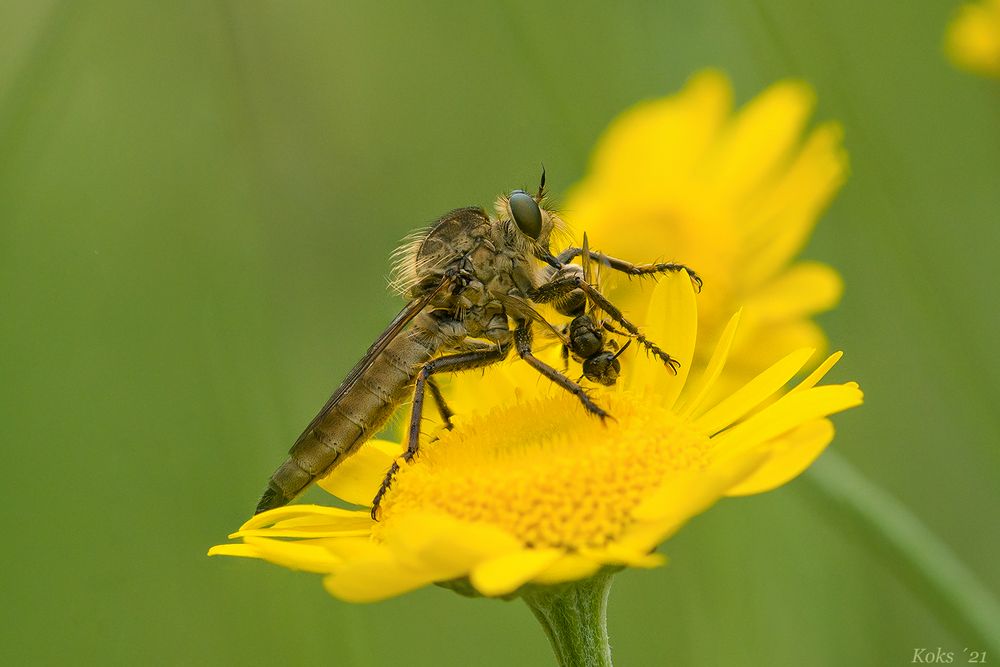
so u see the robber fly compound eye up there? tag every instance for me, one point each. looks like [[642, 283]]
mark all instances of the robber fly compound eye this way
[[524, 209]]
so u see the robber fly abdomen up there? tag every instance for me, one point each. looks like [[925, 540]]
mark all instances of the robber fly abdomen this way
[[357, 410]]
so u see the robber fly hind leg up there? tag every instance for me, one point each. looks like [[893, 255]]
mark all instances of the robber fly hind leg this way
[[447, 364], [553, 289], [522, 341]]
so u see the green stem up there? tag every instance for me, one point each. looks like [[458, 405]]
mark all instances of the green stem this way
[[575, 617], [913, 552]]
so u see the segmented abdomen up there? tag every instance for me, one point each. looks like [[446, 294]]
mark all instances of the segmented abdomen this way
[[356, 414]]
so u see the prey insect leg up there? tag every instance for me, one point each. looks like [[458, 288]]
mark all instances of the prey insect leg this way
[[447, 364], [553, 289], [522, 340]]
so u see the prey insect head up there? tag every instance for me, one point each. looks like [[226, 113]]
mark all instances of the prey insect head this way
[[604, 367]]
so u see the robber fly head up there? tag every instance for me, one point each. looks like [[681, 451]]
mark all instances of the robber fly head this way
[[533, 221]]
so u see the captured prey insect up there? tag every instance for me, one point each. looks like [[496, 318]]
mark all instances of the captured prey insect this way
[[585, 338], [472, 281]]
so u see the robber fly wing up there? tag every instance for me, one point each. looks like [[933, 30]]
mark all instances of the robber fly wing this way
[[522, 306], [398, 323]]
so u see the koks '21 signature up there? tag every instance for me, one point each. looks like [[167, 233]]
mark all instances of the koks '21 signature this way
[[938, 656]]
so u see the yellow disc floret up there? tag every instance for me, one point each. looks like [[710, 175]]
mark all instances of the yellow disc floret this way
[[571, 484]]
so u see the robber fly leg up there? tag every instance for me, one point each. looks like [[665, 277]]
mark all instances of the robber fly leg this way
[[522, 340], [447, 364], [628, 268], [568, 255], [618, 332], [555, 288], [442, 406], [653, 268], [393, 469], [604, 304]]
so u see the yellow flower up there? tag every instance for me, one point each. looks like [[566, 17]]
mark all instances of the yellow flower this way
[[973, 38], [538, 492], [734, 196]]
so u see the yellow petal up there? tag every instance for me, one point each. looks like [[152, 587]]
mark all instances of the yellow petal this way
[[294, 555], [712, 370], [505, 574], [347, 549], [327, 523], [671, 323], [752, 394], [804, 289], [779, 222], [448, 546], [479, 391], [658, 142], [685, 494], [762, 344], [311, 532], [291, 516], [813, 378], [973, 38], [681, 497], [786, 414], [468, 545], [239, 550], [357, 478], [617, 553], [374, 579], [570, 567], [760, 137], [647, 535], [791, 454]]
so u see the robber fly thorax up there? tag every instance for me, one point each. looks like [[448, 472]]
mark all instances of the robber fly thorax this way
[[468, 279]]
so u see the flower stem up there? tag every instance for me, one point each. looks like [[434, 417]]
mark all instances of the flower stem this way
[[575, 617], [913, 551]]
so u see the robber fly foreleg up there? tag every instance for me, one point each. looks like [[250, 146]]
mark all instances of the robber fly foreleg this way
[[450, 363], [627, 267], [618, 332], [556, 288], [522, 341]]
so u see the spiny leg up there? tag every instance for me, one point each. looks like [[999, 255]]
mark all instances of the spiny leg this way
[[442, 405], [448, 364], [618, 332], [522, 341], [439, 400], [555, 288], [568, 255], [627, 267]]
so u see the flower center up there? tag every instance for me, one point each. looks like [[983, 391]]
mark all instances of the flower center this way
[[548, 473]]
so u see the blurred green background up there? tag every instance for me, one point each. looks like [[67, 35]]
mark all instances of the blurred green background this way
[[197, 203]]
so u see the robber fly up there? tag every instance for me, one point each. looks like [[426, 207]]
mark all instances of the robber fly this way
[[472, 281]]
